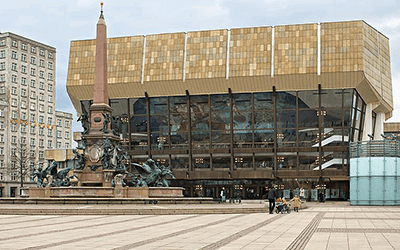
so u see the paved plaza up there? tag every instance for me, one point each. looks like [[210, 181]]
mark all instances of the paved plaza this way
[[319, 226]]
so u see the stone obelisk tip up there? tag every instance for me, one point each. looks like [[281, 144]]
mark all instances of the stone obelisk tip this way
[[100, 79], [101, 12]]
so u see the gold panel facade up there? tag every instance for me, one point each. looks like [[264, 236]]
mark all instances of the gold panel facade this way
[[164, 57], [124, 58], [81, 62], [206, 54], [347, 50], [341, 47], [296, 48], [376, 59], [250, 52]]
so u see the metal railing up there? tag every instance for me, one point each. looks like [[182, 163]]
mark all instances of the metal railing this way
[[382, 148]]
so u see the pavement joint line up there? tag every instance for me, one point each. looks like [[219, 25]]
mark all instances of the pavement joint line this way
[[358, 230], [47, 220], [132, 211], [357, 218], [25, 221], [12, 216], [304, 237], [108, 233], [225, 241], [155, 239], [74, 228]]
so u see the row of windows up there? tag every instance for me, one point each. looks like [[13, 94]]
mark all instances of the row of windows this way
[[14, 55], [59, 123], [23, 83], [32, 143], [14, 67], [24, 46], [24, 116], [14, 78], [23, 127], [32, 95], [32, 154], [13, 176], [32, 107], [32, 130]]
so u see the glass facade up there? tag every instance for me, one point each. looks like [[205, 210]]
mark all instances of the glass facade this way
[[251, 139]]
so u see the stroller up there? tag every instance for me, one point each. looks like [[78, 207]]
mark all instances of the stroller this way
[[281, 207]]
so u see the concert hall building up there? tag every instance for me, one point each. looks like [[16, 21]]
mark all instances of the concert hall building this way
[[245, 108]]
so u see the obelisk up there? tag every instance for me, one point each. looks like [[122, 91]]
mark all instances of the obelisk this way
[[100, 106]]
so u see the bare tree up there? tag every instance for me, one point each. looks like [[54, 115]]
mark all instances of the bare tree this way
[[21, 160]]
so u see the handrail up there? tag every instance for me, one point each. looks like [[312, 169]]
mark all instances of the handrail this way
[[381, 148]]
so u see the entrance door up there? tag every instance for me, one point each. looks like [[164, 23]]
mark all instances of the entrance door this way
[[1, 191], [12, 191]]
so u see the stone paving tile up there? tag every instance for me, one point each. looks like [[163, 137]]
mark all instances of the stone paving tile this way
[[339, 227]]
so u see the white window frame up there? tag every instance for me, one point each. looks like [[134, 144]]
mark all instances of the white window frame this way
[[14, 66], [14, 102]]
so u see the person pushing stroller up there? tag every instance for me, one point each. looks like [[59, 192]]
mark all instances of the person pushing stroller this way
[[282, 206]]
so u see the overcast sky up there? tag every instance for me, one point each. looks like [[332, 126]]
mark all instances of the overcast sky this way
[[56, 23]]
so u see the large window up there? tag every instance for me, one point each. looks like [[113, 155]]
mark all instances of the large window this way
[[255, 124]]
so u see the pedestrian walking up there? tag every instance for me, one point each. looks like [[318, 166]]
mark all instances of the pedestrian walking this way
[[223, 195], [302, 193], [296, 203], [271, 199]]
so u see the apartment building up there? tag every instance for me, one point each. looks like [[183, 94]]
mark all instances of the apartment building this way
[[27, 110]]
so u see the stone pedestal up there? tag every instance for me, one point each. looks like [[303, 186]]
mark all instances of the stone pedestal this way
[[24, 192], [35, 192], [87, 177], [137, 192], [165, 192], [82, 192], [108, 175]]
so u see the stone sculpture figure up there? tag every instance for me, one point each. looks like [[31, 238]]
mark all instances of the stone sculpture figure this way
[[121, 158], [118, 181], [154, 174], [84, 119], [83, 144], [118, 123], [163, 182], [108, 154], [81, 159], [60, 178], [40, 175], [105, 122]]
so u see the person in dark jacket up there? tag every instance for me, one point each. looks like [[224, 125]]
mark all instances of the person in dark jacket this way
[[271, 199]]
